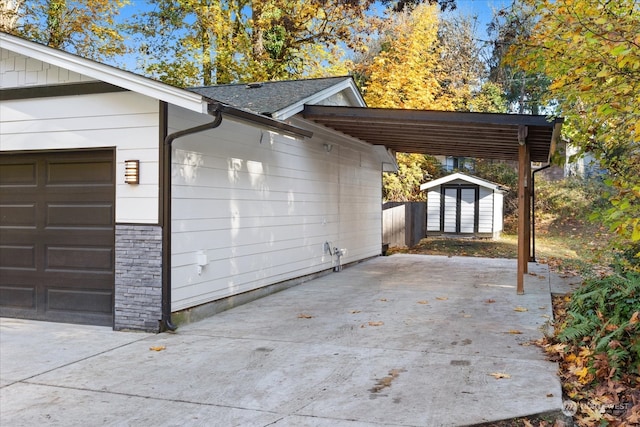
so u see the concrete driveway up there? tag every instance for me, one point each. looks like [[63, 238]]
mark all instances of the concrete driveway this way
[[405, 340]]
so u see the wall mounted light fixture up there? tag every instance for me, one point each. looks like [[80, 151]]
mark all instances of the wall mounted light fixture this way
[[132, 171]]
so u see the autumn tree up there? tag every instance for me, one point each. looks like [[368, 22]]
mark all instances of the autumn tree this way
[[204, 42], [83, 27], [523, 88], [461, 69], [419, 61], [591, 51], [404, 74], [413, 170]]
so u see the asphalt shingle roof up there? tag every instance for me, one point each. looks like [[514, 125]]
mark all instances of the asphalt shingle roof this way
[[267, 97]]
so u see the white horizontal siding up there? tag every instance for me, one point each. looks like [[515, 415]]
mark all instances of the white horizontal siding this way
[[498, 206], [19, 71], [485, 211], [261, 206], [433, 209], [124, 120]]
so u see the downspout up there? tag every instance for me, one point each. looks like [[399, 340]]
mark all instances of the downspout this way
[[532, 258], [216, 111]]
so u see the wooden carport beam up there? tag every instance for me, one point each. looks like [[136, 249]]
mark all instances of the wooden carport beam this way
[[524, 206]]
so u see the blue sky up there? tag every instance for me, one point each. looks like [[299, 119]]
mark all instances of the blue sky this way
[[482, 9]]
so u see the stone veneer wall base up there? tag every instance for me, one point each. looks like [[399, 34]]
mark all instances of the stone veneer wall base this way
[[138, 277]]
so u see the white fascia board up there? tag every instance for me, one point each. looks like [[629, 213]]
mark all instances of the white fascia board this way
[[462, 176], [106, 73], [352, 93]]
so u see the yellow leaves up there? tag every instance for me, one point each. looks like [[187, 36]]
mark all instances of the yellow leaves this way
[[403, 75], [582, 374], [500, 375], [514, 332], [304, 316], [378, 323], [442, 298], [423, 302], [157, 348], [520, 309]]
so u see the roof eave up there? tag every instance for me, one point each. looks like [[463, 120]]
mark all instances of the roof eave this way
[[353, 94], [112, 75]]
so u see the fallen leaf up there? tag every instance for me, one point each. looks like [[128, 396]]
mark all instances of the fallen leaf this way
[[514, 332], [355, 311], [466, 315], [521, 309], [543, 307], [380, 323], [549, 394], [383, 299], [304, 316], [423, 302], [158, 348], [442, 298], [635, 318], [490, 301], [499, 375]]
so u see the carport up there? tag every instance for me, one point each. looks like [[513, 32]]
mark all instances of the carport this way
[[516, 137]]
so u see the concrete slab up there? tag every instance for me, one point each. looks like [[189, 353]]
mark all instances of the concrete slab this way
[[31, 348], [406, 340]]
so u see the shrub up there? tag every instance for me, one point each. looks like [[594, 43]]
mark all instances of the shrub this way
[[604, 315]]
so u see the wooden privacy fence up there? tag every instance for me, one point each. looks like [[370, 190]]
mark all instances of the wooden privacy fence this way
[[404, 223]]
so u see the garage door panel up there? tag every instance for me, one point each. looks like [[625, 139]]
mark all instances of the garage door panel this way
[[18, 215], [22, 174], [79, 258], [74, 300], [17, 257], [57, 236], [79, 173], [20, 297], [79, 215]]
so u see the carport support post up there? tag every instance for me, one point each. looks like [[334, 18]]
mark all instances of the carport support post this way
[[524, 205]]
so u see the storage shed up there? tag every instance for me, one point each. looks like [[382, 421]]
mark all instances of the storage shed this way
[[464, 205]]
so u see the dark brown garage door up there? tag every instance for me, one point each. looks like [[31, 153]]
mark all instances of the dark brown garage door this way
[[57, 236]]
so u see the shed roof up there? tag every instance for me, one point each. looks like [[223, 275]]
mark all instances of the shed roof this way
[[482, 135], [462, 176]]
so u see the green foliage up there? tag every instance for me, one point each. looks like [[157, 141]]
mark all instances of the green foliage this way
[[503, 174], [523, 90], [591, 51], [570, 198], [83, 27], [413, 170], [205, 42], [604, 316], [489, 99]]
